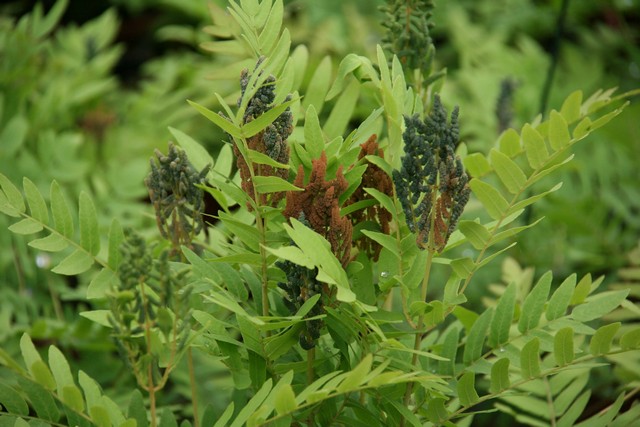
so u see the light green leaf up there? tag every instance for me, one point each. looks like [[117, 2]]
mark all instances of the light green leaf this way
[[60, 369], [273, 184], [477, 234], [285, 400], [503, 317], [476, 337], [198, 156], [559, 301], [90, 388], [582, 290], [318, 86], [463, 267], [271, 29], [385, 240], [89, 232], [563, 346], [77, 262], [101, 284], [263, 159], [355, 377], [383, 199], [100, 416], [534, 304], [29, 353], [601, 340], [61, 213], [534, 146], [101, 317], [225, 417], [37, 205], [348, 65], [26, 226], [265, 119], [293, 254], [253, 404], [532, 199], [342, 111], [558, 131], [509, 143], [313, 138], [72, 396], [13, 205], [41, 373], [583, 128], [599, 305], [571, 107], [490, 198], [508, 171], [218, 120], [466, 389], [500, 376], [477, 164], [530, 359], [630, 340], [318, 249], [13, 136]]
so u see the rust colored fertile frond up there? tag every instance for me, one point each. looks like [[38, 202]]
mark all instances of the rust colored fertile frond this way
[[373, 177], [319, 205], [272, 141]]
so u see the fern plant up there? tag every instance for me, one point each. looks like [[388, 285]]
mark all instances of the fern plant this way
[[307, 327]]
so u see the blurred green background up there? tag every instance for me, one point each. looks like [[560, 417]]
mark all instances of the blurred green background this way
[[86, 99]]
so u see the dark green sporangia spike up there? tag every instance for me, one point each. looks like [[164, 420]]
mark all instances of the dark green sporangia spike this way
[[408, 34], [163, 305], [178, 202], [432, 184]]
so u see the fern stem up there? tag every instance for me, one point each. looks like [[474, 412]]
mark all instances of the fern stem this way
[[194, 391], [552, 411], [419, 334], [147, 335]]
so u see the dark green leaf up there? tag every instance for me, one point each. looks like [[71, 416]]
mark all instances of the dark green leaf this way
[[476, 337], [476, 233], [500, 376], [37, 205], [601, 340], [569, 418], [13, 203], [77, 262], [13, 136], [630, 340], [11, 400], [61, 213], [599, 305], [313, 137], [137, 410], [530, 359], [563, 346], [253, 404], [560, 299], [534, 304], [40, 400], [89, 232], [466, 389], [503, 317]]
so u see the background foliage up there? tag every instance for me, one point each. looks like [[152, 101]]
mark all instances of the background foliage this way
[[78, 106]]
